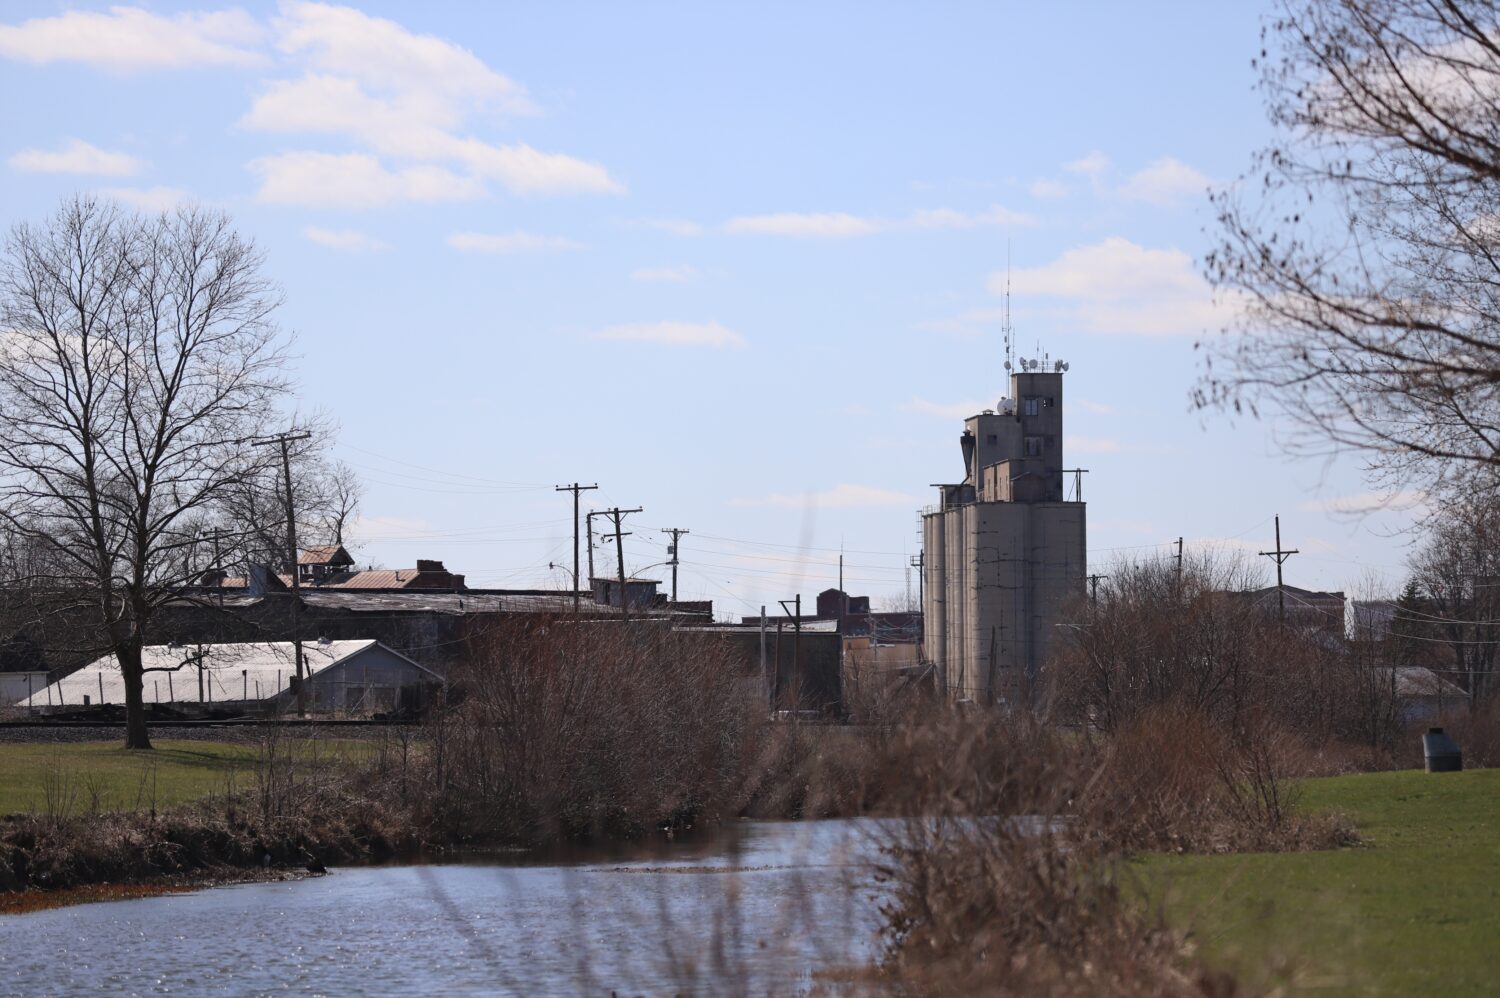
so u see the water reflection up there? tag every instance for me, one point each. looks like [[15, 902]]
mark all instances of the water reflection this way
[[764, 910]]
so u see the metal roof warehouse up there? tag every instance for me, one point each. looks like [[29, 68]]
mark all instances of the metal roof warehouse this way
[[346, 675]]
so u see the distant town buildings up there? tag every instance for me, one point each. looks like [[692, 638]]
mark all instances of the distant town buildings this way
[[1004, 550]]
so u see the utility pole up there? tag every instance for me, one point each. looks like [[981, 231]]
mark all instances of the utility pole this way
[[763, 652], [588, 522], [919, 562], [617, 515], [575, 488], [284, 441], [1280, 557], [1094, 587], [675, 550], [796, 636], [1177, 584]]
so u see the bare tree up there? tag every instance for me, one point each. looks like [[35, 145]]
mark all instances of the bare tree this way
[[1362, 250], [1457, 569], [1154, 634], [325, 498], [339, 508], [138, 355]]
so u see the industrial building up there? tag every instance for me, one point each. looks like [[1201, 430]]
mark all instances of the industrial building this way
[[359, 676], [1003, 549]]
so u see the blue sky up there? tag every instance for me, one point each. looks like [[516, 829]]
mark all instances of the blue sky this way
[[743, 267]]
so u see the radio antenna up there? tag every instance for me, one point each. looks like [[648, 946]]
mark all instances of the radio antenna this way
[[1010, 346]]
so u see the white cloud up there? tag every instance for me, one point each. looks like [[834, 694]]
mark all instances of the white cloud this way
[[77, 156], [355, 180], [816, 225], [1165, 182], [839, 497], [417, 126], [409, 97], [947, 218], [1367, 502], [524, 170], [510, 243], [675, 334], [148, 198], [841, 225], [1092, 165], [1045, 189], [347, 240], [349, 43], [1091, 445], [679, 274], [129, 38], [1117, 286], [947, 410]]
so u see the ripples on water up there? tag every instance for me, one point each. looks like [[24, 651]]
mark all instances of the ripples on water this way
[[758, 911]]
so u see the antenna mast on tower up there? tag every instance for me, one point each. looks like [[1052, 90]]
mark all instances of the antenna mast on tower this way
[[1010, 338]]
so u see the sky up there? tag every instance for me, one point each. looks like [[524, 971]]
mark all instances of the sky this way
[[742, 266]]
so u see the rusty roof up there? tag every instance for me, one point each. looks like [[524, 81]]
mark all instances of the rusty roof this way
[[328, 554]]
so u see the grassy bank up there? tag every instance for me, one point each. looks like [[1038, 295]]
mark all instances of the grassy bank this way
[[1415, 910], [69, 778]]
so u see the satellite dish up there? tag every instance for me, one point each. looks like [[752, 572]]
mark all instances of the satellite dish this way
[[1007, 365], [1064, 365]]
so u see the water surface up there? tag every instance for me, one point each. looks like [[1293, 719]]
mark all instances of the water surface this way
[[764, 909]]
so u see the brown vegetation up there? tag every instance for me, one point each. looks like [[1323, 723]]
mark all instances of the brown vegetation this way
[[576, 729], [1191, 636]]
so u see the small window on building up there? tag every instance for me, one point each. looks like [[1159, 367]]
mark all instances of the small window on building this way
[[1033, 446], [1031, 406]]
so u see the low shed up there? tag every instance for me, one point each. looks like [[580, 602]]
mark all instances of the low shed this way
[[343, 675]]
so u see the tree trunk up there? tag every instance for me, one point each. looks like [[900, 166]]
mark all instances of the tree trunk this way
[[137, 734]]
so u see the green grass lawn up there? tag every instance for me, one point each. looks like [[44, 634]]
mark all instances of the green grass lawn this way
[[1415, 910], [43, 777]]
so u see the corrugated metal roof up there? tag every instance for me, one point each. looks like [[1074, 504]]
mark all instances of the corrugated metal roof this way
[[372, 579], [231, 672], [417, 600], [377, 578]]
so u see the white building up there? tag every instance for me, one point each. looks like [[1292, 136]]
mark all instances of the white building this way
[[344, 675], [15, 687]]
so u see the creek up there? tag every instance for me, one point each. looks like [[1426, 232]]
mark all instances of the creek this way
[[754, 908]]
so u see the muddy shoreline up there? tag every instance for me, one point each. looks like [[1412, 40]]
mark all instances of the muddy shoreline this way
[[35, 899]]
